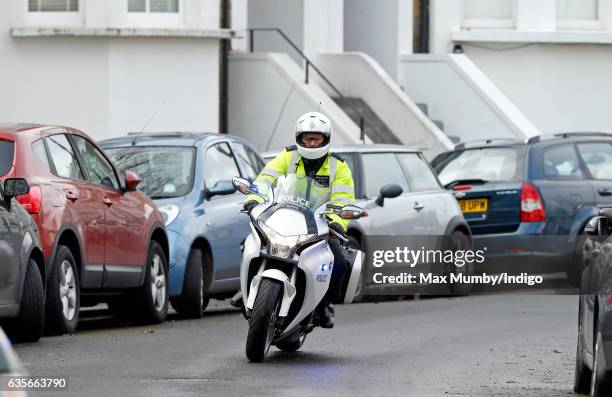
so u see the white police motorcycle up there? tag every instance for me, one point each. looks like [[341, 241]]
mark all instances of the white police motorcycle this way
[[287, 263]]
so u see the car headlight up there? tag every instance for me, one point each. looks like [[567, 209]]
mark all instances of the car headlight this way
[[281, 246], [169, 212]]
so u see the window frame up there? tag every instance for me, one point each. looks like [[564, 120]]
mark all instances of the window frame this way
[[589, 175], [84, 168], [583, 24], [148, 18], [407, 173], [52, 161], [488, 23], [54, 18], [205, 158], [406, 180], [260, 165], [581, 177]]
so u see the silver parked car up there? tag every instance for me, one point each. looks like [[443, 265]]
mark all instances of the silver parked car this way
[[403, 197]]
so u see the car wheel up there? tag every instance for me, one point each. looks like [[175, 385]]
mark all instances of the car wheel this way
[[600, 378], [153, 295], [582, 374], [193, 300], [460, 242], [63, 294], [28, 325]]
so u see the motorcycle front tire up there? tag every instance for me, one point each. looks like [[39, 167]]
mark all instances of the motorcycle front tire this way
[[263, 320]]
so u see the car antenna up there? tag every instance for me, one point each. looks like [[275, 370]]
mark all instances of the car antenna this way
[[319, 108], [147, 123]]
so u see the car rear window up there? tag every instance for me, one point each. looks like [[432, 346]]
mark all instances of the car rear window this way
[[7, 149], [494, 164]]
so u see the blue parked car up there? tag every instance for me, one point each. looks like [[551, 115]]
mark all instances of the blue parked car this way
[[532, 199], [189, 177]]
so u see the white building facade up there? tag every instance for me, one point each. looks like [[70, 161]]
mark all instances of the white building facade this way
[[552, 58], [109, 66]]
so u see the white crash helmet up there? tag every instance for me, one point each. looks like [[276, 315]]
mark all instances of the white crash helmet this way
[[313, 122]]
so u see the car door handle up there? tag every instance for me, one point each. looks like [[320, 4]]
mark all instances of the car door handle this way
[[418, 206], [605, 192], [107, 201], [72, 196]]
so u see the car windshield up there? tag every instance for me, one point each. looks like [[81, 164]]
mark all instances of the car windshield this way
[[6, 157], [302, 191], [488, 164], [166, 171]]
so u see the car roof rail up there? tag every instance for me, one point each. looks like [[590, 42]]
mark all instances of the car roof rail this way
[[167, 133], [487, 141], [569, 134]]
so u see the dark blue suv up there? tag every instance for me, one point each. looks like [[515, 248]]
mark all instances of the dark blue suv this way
[[189, 177], [531, 199]]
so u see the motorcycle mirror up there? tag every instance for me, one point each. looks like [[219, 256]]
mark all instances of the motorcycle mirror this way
[[242, 185]]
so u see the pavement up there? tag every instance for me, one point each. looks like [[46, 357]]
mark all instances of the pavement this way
[[494, 345]]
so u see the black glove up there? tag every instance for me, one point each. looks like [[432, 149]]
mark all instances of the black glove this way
[[336, 227], [249, 205]]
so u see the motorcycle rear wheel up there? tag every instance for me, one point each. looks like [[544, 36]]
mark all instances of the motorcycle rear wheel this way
[[263, 320]]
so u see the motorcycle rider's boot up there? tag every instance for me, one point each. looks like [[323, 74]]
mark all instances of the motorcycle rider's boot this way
[[327, 316], [236, 300]]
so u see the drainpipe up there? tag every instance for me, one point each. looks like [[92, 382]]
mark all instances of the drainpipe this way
[[224, 48]]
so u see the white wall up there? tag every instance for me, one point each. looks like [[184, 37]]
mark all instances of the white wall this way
[[267, 96], [460, 95], [358, 75], [382, 29], [107, 86], [556, 70], [558, 87], [313, 25], [287, 15]]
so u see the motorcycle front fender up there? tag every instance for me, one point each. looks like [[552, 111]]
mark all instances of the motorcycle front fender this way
[[288, 289]]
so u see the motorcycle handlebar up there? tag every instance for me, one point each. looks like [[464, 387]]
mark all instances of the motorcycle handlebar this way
[[340, 236]]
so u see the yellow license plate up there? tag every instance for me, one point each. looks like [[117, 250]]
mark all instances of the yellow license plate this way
[[474, 205]]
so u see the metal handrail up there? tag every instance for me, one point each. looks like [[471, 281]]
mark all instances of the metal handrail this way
[[362, 120]]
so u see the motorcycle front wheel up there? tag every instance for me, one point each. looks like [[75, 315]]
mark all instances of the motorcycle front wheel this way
[[263, 320]]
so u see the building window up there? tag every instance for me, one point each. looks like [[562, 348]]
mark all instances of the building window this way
[[488, 13], [52, 13], [579, 14], [156, 13], [153, 6], [53, 5]]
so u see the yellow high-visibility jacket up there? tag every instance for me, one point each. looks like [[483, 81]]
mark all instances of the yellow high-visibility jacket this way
[[342, 188]]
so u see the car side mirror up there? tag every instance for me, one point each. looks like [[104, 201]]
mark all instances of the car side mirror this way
[[14, 187], [391, 190], [132, 180], [221, 188]]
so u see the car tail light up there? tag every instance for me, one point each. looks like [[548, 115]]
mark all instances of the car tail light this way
[[31, 201], [462, 187], [532, 207]]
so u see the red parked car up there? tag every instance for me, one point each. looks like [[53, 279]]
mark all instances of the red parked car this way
[[103, 241]]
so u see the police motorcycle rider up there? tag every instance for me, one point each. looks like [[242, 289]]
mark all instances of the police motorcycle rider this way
[[311, 157]]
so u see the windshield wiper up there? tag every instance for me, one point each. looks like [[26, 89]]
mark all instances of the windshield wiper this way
[[464, 182]]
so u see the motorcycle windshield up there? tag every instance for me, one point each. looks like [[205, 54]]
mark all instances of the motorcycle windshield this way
[[301, 191]]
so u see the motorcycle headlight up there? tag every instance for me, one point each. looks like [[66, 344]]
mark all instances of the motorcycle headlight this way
[[282, 246], [169, 212]]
